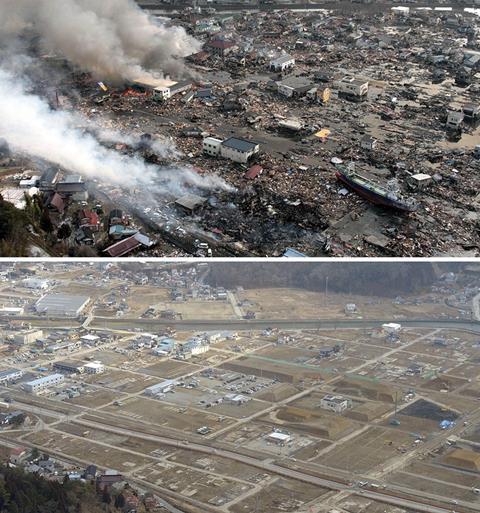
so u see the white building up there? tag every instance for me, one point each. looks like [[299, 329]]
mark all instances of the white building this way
[[335, 403], [279, 438], [37, 385], [391, 327], [27, 337], [196, 346], [161, 388], [352, 88], [282, 63], [161, 88], [454, 119], [211, 146], [368, 143], [12, 310], [213, 338], [35, 283], [238, 150], [9, 375], [401, 10], [350, 308], [236, 399], [94, 368], [89, 339], [233, 148]]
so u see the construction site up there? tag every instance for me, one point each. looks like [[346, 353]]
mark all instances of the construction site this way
[[350, 412], [335, 131]]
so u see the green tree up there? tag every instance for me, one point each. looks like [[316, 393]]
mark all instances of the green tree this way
[[45, 222], [13, 233]]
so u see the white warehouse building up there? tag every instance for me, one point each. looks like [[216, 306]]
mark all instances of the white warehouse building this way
[[282, 63], [161, 388], [94, 368], [37, 385], [238, 150], [233, 148], [62, 305]]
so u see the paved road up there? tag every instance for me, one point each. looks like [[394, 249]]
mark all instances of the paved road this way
[[300, 324], [255, 324]]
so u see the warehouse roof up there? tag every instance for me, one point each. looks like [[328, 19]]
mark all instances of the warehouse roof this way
[[239, 144], [61, 302], [123, 247], [281, 437]]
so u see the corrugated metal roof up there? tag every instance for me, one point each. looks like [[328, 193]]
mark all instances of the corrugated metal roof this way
[[123, 247], [239, 144]]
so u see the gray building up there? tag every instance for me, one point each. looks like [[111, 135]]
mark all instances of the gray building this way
[[69, 367], [63, 305], [71, 184], [37, 385]]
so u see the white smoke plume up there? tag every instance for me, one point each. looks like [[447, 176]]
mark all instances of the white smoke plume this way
[[113, 39], [31, 127], [161, 146]]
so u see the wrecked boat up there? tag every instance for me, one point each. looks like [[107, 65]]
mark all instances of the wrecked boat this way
[[375, 193]]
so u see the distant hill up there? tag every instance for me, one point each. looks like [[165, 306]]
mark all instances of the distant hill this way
[[377, 278]]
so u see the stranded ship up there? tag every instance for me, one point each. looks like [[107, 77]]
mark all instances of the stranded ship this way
[[372, 191]]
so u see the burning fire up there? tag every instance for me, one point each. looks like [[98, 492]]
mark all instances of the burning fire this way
[[133, 92]]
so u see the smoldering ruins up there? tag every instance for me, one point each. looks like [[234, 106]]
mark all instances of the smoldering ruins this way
[[266, 132]]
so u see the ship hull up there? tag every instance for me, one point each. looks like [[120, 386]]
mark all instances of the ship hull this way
[[372, 196]]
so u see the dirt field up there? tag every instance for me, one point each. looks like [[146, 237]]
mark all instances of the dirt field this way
[[205, 487], [356, 504], [192, 309], [448, 475], [283, 303], [140, 298], [122, 441], [95, 398], [153, 411], [168, 369], [424, 484], [367, 450], [218, 465], [127, 382], [283, 495], [87, 450], [313, 421], [286, 372]]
